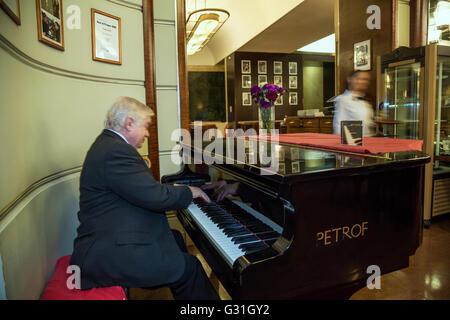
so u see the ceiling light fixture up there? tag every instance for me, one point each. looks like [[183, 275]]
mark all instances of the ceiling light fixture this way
[[201, 26]]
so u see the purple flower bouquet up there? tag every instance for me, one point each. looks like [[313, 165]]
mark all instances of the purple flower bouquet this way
[[264, 97]]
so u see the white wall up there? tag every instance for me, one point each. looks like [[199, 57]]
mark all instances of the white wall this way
[[52, 107]]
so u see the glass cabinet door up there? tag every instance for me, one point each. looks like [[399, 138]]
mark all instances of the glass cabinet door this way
[[442, 126], [402, 101]]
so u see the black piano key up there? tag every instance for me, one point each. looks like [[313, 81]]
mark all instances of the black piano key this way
[[270, 242], [236, 232], [238, 240], [269, 235], [253, 246], [227, 225]]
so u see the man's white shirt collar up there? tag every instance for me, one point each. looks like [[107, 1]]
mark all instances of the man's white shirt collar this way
[[119, 134]]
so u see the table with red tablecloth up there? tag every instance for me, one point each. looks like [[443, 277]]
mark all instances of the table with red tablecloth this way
[[371, 145]]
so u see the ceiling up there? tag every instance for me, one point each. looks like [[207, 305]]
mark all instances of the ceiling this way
[[266, 26], [308, 22]]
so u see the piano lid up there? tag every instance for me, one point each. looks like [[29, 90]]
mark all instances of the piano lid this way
[[279, 161]]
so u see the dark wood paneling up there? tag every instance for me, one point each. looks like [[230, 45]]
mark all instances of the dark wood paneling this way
[[248, 113], [230, 78], [328, 81], [418, 23], [150, 84], [182, 64], [353, 29]]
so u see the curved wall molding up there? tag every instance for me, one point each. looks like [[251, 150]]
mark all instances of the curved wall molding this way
[[164, 22], [27, 60], [7, 213], [127, 4]]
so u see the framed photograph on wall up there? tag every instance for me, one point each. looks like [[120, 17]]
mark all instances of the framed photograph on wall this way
[[293, 68], [262, 79], [50, 23], [106, 37], [293, 98], [246, 99], [12, 9], [278, 81], [292, 82], [246, 81], [295, 167], [282, 168], [277, 67], [362, 56], [262, 66], [246, 66]]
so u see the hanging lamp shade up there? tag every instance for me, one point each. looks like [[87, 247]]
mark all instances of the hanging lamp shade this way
[[201, 26]]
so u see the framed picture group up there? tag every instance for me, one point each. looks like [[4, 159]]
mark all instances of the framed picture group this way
[[291, 95]]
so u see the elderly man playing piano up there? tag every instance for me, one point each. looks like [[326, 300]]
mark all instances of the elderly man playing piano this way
[[124, 238]]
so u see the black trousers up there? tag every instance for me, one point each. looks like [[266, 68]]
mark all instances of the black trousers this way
[[194, 283]]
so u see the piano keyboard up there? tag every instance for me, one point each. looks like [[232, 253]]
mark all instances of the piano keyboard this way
[[234, 228]]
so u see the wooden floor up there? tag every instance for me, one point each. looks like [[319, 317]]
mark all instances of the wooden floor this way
[[427, 277]]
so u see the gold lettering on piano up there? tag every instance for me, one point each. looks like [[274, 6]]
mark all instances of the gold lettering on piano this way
[[335, 235]]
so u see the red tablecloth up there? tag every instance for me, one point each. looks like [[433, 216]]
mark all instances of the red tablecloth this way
[[371, 145]]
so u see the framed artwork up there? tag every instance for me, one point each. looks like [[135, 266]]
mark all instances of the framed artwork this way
[[278, 80], [106, 37], [279, 101], [262, 66], [246, 81], [246, 99], [262, 79], [246, 66], [277, 67], [293, 68], [12, 9], [362, 56], [50, 23], [292, 82], [295, 167], [293, 98]]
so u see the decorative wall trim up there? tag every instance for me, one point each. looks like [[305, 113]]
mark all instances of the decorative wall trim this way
[[127, 4], [164, 22], [166, 87], [38, 65], [27, 194], [150, 83], [182, 65]]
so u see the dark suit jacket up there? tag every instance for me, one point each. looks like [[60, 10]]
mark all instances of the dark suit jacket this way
[[124, 237]]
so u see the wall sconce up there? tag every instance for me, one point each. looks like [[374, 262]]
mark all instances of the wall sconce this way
[[201, 26]]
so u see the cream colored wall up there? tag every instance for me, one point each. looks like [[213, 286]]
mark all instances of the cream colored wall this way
[[312, 85], [403, 23], [48, 121], [52, 107], [167, 90]]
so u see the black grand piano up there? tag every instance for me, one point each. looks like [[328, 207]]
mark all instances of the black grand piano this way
[[306, 225]]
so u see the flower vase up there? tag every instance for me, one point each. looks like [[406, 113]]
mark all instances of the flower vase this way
[[266, 119]]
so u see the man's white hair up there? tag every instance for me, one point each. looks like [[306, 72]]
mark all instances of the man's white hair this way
[[125, 107]]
